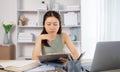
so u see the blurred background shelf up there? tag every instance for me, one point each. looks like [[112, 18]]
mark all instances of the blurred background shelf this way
[[33, 11]]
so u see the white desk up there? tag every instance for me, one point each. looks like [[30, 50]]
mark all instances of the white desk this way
[[86, 61], [116, 70], [2, 71], [45, 68]]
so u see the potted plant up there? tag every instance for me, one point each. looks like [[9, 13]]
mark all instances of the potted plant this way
[[7, 27]]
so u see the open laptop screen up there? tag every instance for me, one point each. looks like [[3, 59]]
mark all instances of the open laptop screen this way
[[106, 57]]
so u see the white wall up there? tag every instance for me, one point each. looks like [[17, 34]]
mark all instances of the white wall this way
[[8, 13]]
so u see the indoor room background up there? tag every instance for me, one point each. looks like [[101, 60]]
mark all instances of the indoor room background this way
[[99, 21]]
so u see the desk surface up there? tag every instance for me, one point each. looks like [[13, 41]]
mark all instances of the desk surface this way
[[45, 68], [116, 70], [30, 65], [86, 61], [2, 71]]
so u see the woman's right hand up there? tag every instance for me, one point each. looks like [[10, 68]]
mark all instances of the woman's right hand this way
[[45, 37]]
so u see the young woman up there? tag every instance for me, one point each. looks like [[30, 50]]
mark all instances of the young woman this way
[[52, 39]]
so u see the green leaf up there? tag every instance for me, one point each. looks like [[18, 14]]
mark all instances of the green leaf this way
[[7, 27]]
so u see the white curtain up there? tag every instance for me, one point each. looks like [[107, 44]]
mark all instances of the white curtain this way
[[106, 20], [88, 27], [99, 22]]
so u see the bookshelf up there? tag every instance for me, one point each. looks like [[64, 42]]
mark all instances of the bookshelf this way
[[34, 15]]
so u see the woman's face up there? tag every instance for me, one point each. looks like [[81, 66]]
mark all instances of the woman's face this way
[[51, 25]]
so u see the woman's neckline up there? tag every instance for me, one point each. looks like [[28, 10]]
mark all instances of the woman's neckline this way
[[54, 38]]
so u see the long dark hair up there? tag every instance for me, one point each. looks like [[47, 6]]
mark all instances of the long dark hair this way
[[50, 14]]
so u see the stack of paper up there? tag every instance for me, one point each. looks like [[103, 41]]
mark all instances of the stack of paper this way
[[42, 68]]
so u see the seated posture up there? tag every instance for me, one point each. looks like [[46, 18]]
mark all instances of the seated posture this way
[[52, 39]]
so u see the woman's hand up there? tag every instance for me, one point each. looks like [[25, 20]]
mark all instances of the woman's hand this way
[[45, 37], [61, 59]]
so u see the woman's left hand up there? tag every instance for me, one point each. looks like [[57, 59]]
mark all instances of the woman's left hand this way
[[61, 59]]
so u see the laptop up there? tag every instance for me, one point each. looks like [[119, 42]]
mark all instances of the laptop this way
[[106, 57], [52, 58]]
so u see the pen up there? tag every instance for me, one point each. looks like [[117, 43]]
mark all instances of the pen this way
[[69, 57], [81, 55]]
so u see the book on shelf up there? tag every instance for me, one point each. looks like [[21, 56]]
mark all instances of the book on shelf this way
[[18, 65], [70, 19], [26, 37]]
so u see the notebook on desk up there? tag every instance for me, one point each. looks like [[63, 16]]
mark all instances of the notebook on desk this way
[[106, 57], [18, 65]]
